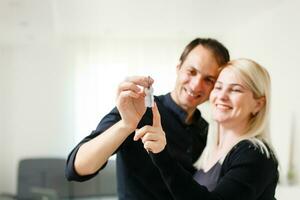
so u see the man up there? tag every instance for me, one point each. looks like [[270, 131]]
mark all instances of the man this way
[[185, 129]]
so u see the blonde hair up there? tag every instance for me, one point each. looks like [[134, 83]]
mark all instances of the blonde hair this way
[[257, 79]]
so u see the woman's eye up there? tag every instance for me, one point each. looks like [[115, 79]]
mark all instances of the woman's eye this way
[[236, 90]]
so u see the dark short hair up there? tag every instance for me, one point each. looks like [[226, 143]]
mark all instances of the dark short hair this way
[[218, 49]]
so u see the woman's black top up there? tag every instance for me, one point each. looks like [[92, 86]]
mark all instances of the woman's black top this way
[[246, 174]]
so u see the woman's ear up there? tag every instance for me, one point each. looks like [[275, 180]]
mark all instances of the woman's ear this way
[[260, 103]]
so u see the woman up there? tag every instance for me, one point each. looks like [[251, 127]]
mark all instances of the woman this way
[[238, 161]]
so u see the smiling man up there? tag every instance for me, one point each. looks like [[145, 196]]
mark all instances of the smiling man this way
[[185, 129], [196, 75]]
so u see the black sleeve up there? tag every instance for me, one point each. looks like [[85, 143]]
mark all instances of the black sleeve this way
[[109, 120], [247, 174], [180, 182]]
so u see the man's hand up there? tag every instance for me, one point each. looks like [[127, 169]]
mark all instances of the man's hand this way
[[130, 100], [153, 137]]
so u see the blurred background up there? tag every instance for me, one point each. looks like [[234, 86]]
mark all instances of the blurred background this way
[[61, 62]]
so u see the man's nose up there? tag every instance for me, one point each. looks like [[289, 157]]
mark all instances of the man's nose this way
[[197, 83]]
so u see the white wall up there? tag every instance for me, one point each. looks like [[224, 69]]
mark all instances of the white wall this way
[[37, 108], [5, 53]]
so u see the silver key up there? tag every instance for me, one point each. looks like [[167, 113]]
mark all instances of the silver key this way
[[149, 98]]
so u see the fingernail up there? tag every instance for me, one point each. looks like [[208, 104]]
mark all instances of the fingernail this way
[[135, 138]]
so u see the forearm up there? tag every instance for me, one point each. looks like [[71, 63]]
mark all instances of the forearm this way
[[178, 180], [92, 155]]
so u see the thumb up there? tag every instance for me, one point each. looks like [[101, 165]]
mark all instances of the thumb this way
[[156, 116]]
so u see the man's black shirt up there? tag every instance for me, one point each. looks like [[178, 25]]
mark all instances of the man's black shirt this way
[[138, 178]]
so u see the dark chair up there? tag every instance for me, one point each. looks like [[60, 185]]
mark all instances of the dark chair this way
[[41, 174], [44, 178]]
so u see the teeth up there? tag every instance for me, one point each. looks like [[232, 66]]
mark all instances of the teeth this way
[[223, 106], [192, 94]]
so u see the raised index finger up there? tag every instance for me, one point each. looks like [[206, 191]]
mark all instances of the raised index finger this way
[[156, 116]]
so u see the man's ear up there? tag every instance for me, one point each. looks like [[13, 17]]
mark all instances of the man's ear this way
[[178, 66], [260, 103]]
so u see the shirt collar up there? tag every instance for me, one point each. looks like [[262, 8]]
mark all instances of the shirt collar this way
[[178, 111]]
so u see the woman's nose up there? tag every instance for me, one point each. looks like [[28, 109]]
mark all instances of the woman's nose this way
[[223, 94]]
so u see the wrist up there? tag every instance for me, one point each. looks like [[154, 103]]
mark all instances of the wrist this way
[[126, 127]]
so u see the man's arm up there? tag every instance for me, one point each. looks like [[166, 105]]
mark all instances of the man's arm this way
[[88, 158], [93, 154]]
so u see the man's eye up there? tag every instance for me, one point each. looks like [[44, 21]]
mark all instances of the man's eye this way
[[192, 72], [210, 81]]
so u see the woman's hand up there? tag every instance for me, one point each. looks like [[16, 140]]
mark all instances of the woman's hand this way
[[153, 137], [130, 100]]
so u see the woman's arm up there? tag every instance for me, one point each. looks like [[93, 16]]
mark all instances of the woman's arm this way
[[247, 173]]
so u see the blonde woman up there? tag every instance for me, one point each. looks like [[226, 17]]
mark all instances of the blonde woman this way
[[238, 161]]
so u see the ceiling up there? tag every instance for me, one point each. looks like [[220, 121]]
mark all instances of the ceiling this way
[[40, 20]]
